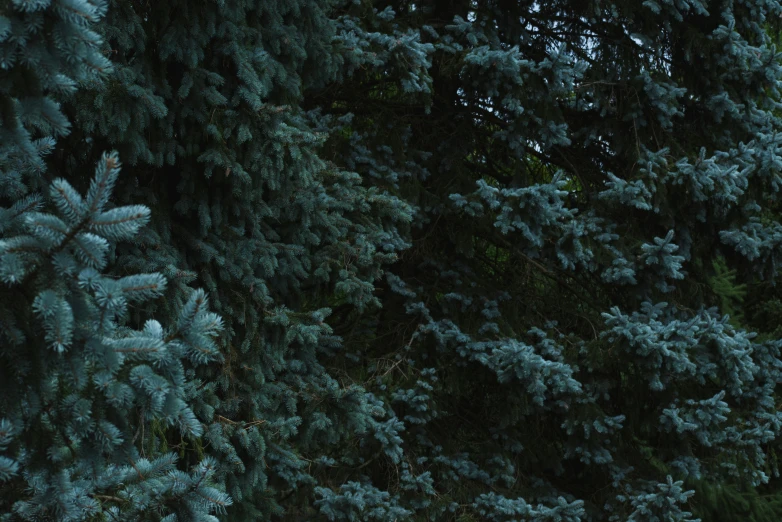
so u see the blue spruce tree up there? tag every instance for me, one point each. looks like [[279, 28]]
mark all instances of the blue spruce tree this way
[[83, 386], [594, 189], [472, 260], [202, 106]]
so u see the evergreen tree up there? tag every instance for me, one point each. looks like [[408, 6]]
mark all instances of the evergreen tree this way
[[203, 108], [81, 384], [474, 259], [595, 190]]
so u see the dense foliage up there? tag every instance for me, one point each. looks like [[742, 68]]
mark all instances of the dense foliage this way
[[465, 260]]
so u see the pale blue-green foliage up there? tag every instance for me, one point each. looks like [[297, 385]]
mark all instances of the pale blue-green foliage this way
[[672, 347], [100, 383], [82, 387], [633, 193], [623, 233], [502, 72], [758, 241], [417, 400], [700, 417], [207, 108], [543, 201], [8, 466], [498, 508], [206, 100], [660, 503], [356, 502], [661, 258], [380, 161], [80, 237], [69, 55], [720, 180], [401, 54], [593, 442]]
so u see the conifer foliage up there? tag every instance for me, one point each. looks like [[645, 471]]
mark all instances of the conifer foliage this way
[[80, 384], [595, 186], [466, 260]]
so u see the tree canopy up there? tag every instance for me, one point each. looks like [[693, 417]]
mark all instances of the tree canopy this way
[[390, 260]]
